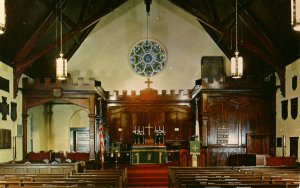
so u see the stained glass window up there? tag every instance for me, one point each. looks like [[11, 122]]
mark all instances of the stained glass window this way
[[148, 58]]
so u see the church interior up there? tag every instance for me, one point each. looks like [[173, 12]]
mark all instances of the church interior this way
[[149, 93]]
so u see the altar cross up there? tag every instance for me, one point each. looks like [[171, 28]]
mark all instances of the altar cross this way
[[148, 82], [195, 148], [149, 127]]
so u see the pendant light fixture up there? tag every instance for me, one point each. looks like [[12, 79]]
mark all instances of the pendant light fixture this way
[[236, 61], [61, 62], [295, 14], [2, 16]]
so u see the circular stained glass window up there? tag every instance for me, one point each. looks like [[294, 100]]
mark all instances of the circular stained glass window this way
[[148, 58]]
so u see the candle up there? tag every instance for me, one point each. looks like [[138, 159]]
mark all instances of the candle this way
[[159, 128], [154, 127], [143, 129], [163, 128]]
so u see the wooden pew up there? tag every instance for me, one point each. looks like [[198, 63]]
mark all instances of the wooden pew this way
[[103, 178], [120, 174], [61, 168], [226, 176]]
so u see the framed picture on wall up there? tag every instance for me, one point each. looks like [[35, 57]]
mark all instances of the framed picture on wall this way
[[5, 139], [279, 142]]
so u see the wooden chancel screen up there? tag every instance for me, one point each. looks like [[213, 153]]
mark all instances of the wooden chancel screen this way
[[150, 111], [49, 93]]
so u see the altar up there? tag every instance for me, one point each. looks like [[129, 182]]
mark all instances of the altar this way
[[148, 154]]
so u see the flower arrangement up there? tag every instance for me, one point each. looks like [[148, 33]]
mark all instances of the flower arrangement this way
[[138, 132], [138, 136], [159, 133]]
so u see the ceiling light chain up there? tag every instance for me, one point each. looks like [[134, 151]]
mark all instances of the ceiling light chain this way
[[60, 32], [147, 24], [236, 61]]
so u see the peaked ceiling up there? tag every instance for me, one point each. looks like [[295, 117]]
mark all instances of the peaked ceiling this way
[[266, 40]]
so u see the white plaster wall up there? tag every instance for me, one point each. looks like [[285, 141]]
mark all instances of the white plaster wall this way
[[65, 117], [39, 131], [288, 127], [7, 154], [104, 53]]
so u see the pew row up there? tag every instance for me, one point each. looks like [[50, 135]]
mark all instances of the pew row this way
[[61, 168], [183, 177], [96, 178]]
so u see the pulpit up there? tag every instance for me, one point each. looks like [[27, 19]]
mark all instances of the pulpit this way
[[148, 154]]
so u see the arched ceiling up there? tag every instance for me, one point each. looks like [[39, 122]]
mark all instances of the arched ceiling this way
[[266, 40]]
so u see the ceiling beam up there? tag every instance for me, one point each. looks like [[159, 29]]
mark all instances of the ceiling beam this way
[[260, 34], [35, 38], [26, 63], [269, 58]]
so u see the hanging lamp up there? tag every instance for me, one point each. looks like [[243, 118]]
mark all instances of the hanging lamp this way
[[61, 62], [236, 61], [2, 16], [295, 14]]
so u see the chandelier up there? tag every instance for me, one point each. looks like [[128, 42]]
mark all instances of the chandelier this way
[[295, 14], [61, 62], [236, 61], [2, 16]]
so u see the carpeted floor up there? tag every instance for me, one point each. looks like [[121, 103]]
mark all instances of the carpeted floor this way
[[143, 176]]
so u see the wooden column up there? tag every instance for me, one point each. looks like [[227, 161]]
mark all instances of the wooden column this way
[[47, 122], [204, 119], [92, 127], [24, 122]]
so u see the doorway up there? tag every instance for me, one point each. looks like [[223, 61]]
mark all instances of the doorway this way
[[257, 143], [294, 146]]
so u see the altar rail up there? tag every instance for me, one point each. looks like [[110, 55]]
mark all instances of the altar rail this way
[[61, 168], [39, 157]]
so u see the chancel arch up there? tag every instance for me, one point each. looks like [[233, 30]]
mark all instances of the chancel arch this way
[[60, 98]]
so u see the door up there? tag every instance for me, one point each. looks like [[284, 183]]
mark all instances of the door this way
[[294, 146], [257, 144]]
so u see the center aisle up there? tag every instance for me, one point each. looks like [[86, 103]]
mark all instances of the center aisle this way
[[147, 175]]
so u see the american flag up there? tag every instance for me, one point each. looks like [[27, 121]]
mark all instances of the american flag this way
[[102, 148]]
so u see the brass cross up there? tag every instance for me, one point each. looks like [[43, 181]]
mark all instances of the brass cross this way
[[148, 82], [149, 127]]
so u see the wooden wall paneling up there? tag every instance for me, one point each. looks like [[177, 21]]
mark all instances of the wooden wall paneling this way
[[245, 110], [151, 109], [203, 119]]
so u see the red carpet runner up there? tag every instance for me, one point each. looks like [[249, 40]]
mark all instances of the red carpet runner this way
[[144, 176]]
